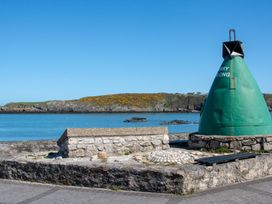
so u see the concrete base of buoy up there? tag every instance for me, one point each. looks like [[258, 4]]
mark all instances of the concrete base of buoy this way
[[248, 143]]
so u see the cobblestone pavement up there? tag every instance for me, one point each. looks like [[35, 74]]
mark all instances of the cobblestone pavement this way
[[258, 191]]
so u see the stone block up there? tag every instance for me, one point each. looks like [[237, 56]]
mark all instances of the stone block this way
[[139, 138], [145, 144], [115, 141], [135, 148], [156, 142], [246, 148], [72, 146], [222, 139], [164, 147], [100, 147], [269, 139], [129, 145], [165, 139], [249, 142], [158, 148], [235, 145], [267, 146], [224, 144], [259, 139], [80, 153], [125, 151], [72, 141], [194, 137], [119, 145], [197, 145], [92, 149], [109, 148], [214, 144], [81, 146], [98, 140], [89, 140], [122, 141], [148, 138], [71, 154], [106, 141], [147, 148], [256, 147], [130, 139], [202, 144]]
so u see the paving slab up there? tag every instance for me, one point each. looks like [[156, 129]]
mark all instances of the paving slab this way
[[241, 196], [86, 197], [14, 192], [17, 193]]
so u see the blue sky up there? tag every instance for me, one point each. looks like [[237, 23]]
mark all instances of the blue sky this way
[[64, 49]]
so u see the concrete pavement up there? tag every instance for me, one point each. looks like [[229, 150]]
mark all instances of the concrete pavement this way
[[259, 191]]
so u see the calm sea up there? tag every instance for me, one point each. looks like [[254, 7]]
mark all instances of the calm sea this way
[[21, 127]]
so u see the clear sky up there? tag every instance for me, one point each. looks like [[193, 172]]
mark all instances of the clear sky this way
[[64, 49]]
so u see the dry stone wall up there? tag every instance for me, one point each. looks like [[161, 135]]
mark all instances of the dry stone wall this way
[[177, 179], [251, 143], [80, 142]]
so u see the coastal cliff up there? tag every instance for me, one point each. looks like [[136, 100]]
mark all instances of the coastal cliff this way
[[159, 102]]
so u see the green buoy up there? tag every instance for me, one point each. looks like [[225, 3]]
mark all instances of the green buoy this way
[[235, 105]]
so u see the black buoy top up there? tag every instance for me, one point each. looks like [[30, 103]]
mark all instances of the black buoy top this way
[[233, 47]]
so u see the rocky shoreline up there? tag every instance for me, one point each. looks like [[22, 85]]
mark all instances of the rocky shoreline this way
[[91, 109], [118, 103]]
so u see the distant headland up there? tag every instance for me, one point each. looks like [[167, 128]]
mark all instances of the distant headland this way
[[118, 103]]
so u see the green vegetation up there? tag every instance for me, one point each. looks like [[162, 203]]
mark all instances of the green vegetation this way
[[157, 101], [16, 104], [115, 188], [220, 150], [189, 101], [138, 100]]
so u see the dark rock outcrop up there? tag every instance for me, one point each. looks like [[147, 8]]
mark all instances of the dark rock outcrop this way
[[135, 120], [176, 122]]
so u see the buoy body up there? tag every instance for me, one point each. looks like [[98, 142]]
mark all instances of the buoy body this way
[[235, 105]]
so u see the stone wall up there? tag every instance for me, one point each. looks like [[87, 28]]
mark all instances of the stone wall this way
[[117, 177], [254, 143], [198, 178], [178, 179], [86, 142], [179, 136]]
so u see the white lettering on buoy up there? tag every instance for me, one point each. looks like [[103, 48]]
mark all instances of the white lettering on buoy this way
[[224, 69], [223, 72]]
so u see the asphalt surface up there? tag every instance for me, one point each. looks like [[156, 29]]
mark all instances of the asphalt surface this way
[[258, 191]]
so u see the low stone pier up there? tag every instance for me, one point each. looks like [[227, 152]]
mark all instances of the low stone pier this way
[[86, 142]]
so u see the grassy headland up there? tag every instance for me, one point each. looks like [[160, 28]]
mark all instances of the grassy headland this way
[[131, 102]]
